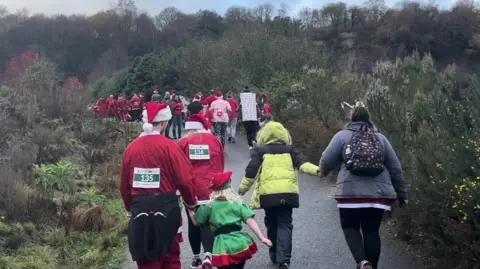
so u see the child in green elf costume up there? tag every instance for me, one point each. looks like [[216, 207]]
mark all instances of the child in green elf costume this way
[[225, 213]]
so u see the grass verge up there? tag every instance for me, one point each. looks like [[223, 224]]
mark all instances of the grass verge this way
[[105, 250]]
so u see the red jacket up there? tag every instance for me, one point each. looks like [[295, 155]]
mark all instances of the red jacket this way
[[267, 109], [177, 108], [102, 108], [208, 114], [210, 99], [135, 103], [204, 169], [234, 104], [156, 152], [122, 104], [112, 106]]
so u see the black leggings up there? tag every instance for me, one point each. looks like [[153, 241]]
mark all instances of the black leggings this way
[[199, 235], [234, 266], [368, 220]]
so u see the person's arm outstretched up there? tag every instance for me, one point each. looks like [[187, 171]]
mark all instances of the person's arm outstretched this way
[[302, 165], [256, 230], [251, 172]]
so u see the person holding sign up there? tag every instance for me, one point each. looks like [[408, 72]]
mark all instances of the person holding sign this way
[[153, 169], [207, 157]]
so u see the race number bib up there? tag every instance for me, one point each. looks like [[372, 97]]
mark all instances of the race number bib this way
[[146, 178], [199, 152]]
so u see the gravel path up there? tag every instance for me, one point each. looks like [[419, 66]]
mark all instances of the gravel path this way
[[318, 241]]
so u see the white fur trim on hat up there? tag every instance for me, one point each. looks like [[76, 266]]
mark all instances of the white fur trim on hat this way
[[194, 125], [163, 115]]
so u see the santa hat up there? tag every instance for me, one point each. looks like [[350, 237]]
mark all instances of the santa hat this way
[[153, 113], [219, 94], [197, 97], [221, 181], [205, 102], [197, 122], [174, 91], [122, 95], [155, 90]]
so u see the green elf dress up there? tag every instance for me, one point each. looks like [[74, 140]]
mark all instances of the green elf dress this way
[[231, 245]]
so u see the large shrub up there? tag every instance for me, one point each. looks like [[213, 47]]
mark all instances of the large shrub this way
[[436, 136]]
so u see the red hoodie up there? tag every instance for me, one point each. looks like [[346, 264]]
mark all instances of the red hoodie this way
[[177, 108], [205, 166]]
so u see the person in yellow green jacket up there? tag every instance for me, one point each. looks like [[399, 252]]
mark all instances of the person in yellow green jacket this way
[[273, 167]]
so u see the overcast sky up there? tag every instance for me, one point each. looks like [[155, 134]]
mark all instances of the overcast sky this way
[[155, 6]]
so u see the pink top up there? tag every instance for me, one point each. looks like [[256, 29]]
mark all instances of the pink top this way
[[220, 109]]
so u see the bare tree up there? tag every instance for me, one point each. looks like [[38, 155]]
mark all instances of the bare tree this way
[[126, 8], [263, 12], [283, 11], [166, 17], [22, 14], [3, 11]]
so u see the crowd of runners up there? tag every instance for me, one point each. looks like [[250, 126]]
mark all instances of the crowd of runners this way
[[163, 172], [220, 111]]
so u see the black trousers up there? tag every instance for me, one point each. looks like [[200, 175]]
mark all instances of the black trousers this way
[[251, 128], [234, 266], [278, 221], [361, 228], [167, 129], [199, 235], [136, 115]]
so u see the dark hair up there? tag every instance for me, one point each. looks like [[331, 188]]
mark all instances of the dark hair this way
[[195, 107], [361, 114]]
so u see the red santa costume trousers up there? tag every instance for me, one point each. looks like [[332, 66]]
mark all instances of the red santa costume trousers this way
[[171, 260]]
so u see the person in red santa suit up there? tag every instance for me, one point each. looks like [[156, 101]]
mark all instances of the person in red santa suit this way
[[153, 169], [143, 100], [102, 107], [206, 154], [211, 98], [122, 106], [206, 112], [136, 108], [112, 107]]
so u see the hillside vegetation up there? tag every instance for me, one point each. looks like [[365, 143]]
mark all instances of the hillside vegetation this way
[[414, 66]]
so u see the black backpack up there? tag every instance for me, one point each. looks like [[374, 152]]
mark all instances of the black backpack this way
[[365, 154]]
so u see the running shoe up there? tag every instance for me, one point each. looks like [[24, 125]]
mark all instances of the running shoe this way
[[283, 266], [365, 265], [207, 263], [196, 262]]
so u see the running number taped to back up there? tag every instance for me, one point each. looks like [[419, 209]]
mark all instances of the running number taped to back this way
[[199, 152], [146, 178]]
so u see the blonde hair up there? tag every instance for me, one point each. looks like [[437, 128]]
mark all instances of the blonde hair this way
[[227, 194]]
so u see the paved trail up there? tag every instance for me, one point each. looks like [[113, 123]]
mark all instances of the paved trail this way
[[318, 241]]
